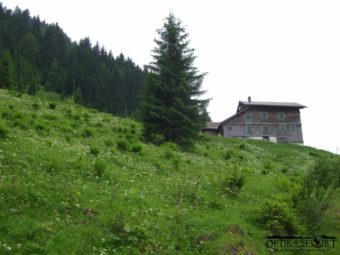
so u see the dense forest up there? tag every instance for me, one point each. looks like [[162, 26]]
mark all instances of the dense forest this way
[[36, 56]]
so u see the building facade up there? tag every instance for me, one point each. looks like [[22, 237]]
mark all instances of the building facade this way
[[272, 121]]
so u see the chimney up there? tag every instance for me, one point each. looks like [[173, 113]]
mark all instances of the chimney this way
[[249, 99]]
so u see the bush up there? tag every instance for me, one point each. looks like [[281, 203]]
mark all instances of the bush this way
[[100, 167], [122, 145], [52, 105], [170, 146], [3, 131], [86, 116], [88, 132], [94, 150], [268, 167], [278, 218], [35, 106], [99, 124], [317, 192], [136, 147], [169, 154], [156, 139], [232, 183], [176, 163], [39, 126], [50, 117], [48, 95], [109, 142], [228, 154], [122, 234], [242, 146]]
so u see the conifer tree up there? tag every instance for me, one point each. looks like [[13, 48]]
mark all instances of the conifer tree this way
[[56, 77], [28, 47], [6, 71], [77, 97], [171, 108]]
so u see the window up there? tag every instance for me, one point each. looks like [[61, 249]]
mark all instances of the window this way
[[281, 116], [265, 130], [248, 116], [248, 130], [293, 128], [230, 128], [264, 115], [282, 128]]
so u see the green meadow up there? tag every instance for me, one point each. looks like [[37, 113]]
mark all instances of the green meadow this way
[[77, 181]]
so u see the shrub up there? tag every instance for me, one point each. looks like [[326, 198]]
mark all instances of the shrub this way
[[88, 132], [169, 154], [122, 145], [94, 150], [278, 218], [242, 146], [136, 147], [228, 154], [129, 137], [232, 183], [268, 167], [122, 234], [39, 126], [68, 138], [50, 117], [264, 172], [176, 163], [100, 167], [86, 116], [156, 139], [48, 95], [35, 106], [99, 124], [52, 105], [8, 115], [76, 116], [317, 192], [3, 131], [284, 170], [170, 146], [109, 142]]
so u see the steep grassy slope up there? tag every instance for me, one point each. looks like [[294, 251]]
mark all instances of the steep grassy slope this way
[[77, 181]]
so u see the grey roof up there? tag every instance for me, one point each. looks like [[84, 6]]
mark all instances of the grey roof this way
[[233, 116], [279, 104], [212, 125]]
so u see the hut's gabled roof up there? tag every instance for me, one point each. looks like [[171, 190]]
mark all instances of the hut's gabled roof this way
[[273, 104], [212, 125]]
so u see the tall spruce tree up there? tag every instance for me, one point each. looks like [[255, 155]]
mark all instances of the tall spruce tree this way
[[170, 107], [6, 71]]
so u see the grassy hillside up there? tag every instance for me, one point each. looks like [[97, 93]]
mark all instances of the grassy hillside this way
[[77, 181]]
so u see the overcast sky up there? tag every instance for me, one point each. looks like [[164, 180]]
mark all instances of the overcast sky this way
[[287, 51]]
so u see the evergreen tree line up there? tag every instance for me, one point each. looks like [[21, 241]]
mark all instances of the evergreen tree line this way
[[36, 55]]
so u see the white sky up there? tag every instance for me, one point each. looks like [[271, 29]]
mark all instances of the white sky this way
[[270, 50]]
